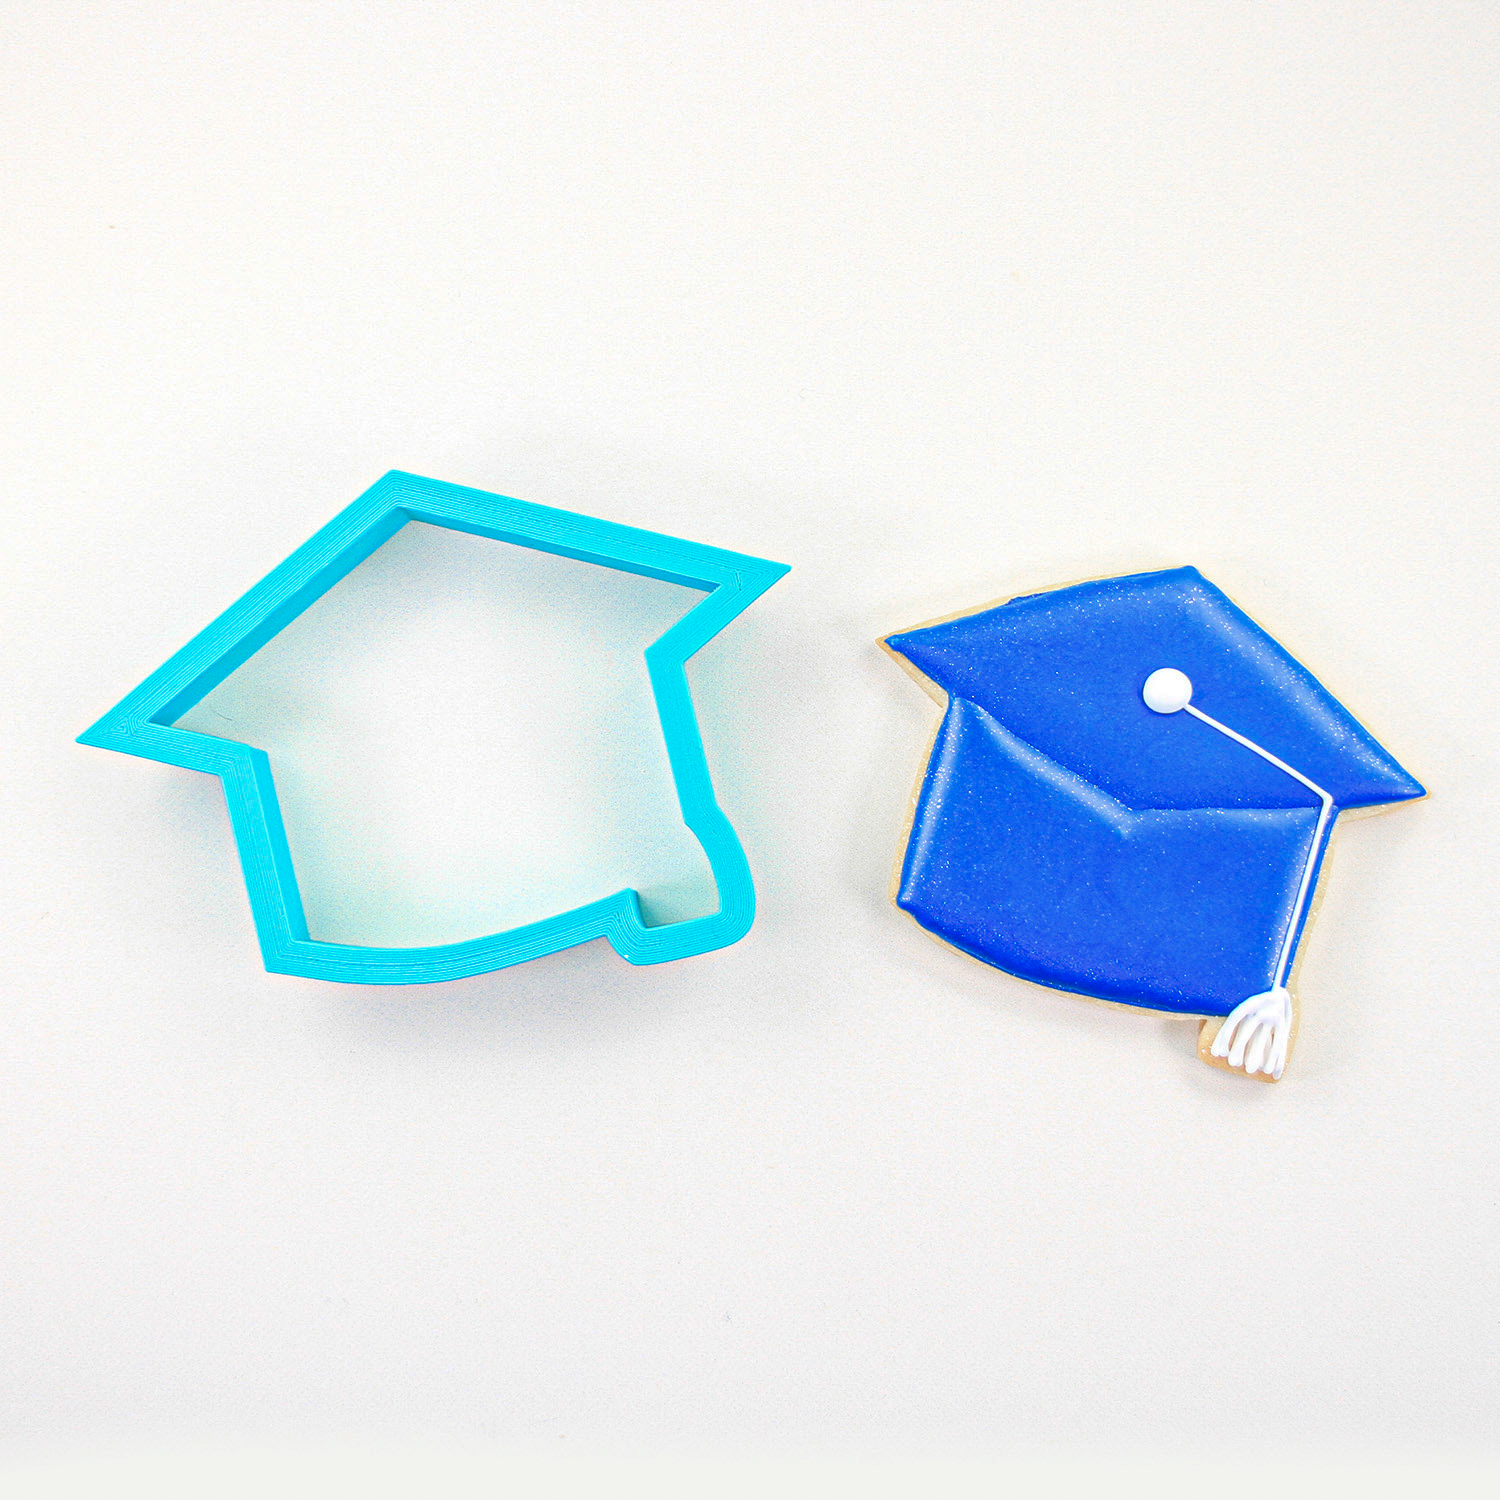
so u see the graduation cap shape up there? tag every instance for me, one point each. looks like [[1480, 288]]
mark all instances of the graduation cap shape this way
[[1130, 796], [144, 723]]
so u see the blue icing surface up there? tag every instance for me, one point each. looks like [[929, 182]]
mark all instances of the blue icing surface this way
[[1069, 835], [1063, 671]]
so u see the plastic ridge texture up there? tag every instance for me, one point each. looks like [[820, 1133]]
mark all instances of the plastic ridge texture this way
[[143, 723]]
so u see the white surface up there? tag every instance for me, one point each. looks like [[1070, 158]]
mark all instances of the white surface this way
[[937, 304], [467, 1471]]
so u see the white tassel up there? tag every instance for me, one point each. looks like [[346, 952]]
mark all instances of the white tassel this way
[[1256, 1034]]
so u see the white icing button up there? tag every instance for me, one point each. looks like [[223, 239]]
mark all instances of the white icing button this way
[[1167, 691]]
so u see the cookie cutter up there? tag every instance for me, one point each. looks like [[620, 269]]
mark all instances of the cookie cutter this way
[[144, 723]]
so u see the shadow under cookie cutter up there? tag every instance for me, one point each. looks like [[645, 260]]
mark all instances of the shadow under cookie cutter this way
[[144, 723]]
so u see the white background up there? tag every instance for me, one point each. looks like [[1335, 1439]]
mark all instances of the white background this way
[[936, 303]]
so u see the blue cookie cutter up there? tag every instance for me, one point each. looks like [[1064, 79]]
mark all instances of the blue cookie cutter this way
[[143, 723]]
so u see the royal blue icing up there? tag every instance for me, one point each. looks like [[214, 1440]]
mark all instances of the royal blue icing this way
[[1067, 834], [1063, 671]]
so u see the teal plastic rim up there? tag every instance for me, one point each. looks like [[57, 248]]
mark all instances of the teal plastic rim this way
[[144, 723]]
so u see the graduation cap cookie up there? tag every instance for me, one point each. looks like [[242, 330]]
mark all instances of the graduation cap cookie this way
[[1129, 797]]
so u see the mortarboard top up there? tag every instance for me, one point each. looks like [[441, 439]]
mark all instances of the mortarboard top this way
[[1063, 672]]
